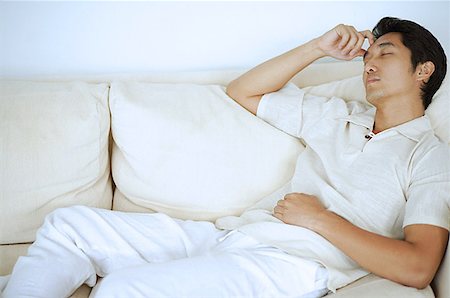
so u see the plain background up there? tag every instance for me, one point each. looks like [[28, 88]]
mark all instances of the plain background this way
[[86, 37]]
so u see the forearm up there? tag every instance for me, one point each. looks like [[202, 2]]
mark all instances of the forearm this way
[[342, 42], [272, 75], [397, 260], [276, 72]]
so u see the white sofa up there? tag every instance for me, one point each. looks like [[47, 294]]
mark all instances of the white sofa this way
[[182, 147]]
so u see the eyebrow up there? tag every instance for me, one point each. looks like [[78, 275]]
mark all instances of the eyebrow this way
[[386, 44], [381, 45]]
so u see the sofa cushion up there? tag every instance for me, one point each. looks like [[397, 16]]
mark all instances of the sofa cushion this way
[[439, 111], [54, 152], [9, 255], [373, 286], [182, 149]]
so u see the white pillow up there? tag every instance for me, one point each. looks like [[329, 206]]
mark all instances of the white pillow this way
[[192, 152], [53, 152], [439, 111], [353, 89], [350, 89]]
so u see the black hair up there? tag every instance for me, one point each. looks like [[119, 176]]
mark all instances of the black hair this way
[[423, 46]]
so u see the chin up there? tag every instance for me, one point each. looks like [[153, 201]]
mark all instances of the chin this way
[[374, 96]]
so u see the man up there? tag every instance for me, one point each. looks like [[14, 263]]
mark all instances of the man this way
[[400, 92], [366, 173]]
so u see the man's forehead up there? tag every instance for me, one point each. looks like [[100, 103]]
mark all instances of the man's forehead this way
[[392, 39], [389, 39]]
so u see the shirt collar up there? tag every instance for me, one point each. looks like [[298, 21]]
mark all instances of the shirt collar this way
[[413, 129], [366, 118]]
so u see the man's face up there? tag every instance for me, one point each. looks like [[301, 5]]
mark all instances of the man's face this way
[[388, 71]]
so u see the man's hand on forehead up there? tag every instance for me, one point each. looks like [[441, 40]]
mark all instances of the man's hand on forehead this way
[[345, 42]]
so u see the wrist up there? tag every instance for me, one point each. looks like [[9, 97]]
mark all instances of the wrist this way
[[325, 222], [307, 52], [316, 49]]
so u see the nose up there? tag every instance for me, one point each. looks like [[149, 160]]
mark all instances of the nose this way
[[369, 67]]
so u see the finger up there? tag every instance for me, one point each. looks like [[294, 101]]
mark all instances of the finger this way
[[369, 35], [360, 53], [278, 216], [353, 40], [345, 33], [278, 210], [281, 206], [344, 39], [358, 45], [291, 195], [350, 45]]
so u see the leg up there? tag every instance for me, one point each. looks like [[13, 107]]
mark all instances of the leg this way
[[238, 267], [75, 244]]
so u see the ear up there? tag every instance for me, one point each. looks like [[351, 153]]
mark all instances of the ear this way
[[424, 71]]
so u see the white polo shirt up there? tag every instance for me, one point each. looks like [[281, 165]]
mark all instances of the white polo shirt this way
[[399, 177]]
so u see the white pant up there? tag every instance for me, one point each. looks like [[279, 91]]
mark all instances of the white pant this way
[[153, 255]]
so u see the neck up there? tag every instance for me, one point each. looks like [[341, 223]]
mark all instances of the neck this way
[[395, 112]]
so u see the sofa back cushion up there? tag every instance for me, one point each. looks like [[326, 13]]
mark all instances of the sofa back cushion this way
[[53, 152], [190, 151]]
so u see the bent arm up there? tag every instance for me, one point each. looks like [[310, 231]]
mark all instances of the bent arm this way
[[342, 42], [412, 261], [271, 75]]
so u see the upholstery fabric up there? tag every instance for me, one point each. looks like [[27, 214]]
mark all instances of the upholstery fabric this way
[[53, 152], [176, 150]]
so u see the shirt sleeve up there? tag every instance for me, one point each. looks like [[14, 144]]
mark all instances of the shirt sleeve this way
[[428, 197], [296, 112], [282, 109]]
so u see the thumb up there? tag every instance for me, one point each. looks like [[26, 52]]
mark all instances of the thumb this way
[[360, 53]]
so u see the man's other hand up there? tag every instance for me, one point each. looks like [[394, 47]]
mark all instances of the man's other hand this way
[[300, 209]]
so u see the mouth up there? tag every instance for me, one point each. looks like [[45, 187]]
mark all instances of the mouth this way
[[371, 80]]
